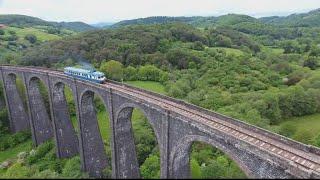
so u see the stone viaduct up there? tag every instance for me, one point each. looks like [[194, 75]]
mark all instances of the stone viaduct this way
[[177, 124]]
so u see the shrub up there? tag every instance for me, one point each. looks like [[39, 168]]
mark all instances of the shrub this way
[[195, 169], [149, 73], [12, 32], [50, 161], [4, 145], [295, 77], [31, 38], [12, 38], [54, 30], [17, 170], [46, 174], [107, 173], [151, 167], [4, 121], [72, 169], [198, 46], [9, 141], [130, 73], [295, 101], [213, 170], [41, 151], [113, 69], [22, 136]]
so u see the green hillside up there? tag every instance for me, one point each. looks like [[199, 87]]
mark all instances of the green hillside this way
[[197, 21], [310, 19], [39, 33], [22, 20], [74, 26], [16, 39], [28, 21]]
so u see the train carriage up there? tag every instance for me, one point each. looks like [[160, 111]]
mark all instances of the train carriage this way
[[89, 75]]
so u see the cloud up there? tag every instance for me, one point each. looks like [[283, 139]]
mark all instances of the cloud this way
[[92, 11]]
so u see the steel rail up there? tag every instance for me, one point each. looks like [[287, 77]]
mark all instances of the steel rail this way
[[239, 133]]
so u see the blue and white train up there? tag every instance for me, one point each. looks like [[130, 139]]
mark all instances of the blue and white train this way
[[90, 75]]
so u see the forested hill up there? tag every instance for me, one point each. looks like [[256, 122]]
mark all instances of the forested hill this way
[[309, 19], [75, 26], [152, 44], [22, 20], [28, 21], [197, 21], [155, 20]]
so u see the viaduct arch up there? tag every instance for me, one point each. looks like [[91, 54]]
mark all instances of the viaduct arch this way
[[259, 153]]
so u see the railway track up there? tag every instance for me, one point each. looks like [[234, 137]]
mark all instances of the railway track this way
[[299, 157], [270, 145]]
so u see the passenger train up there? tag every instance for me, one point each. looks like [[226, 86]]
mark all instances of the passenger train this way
[[90, 75]]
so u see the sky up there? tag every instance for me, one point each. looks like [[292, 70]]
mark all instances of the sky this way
[[94, 11]]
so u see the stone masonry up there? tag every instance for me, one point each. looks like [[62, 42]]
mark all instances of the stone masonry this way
[[176, 124]]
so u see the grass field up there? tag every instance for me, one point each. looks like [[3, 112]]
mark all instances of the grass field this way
[[13, 152], [272, 50], [104, 125], [148, 85], [229, 51], [309, 123], [40, 34]]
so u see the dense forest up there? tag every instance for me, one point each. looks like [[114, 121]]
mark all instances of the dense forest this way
[[263, 71]]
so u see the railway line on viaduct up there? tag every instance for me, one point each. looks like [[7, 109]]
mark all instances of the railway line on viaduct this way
[[177, 124]]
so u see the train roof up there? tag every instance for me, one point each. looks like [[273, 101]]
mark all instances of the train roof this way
[[86, 71]]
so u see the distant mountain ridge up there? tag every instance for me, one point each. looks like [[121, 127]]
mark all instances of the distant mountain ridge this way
[[229, 19], [155, 20], [28, 21], [102, 24], [311, 18], [77, 26]]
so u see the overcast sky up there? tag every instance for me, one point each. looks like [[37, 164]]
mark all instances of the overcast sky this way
[[93, 11]]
